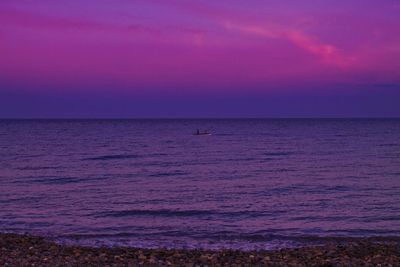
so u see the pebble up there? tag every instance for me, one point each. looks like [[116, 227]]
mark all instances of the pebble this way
[[22, 250]]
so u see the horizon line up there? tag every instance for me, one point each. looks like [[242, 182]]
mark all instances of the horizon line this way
[[201, 118]]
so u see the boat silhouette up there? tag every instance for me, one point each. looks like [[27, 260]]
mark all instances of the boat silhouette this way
[[198, 132]]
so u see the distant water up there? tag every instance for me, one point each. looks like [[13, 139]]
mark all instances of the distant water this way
[[252, 184]]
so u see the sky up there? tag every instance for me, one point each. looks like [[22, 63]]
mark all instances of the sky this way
[[199, 58]]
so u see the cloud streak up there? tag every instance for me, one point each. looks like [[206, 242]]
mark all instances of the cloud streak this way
[[234, 21], [125, 32], [328, 53]]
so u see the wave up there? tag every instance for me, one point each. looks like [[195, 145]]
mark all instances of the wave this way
[[113, 157], [243, 159], [48, 180], [176, 213], [165, 174], [303, 238], [224, 239], [389, 145], [162, 213], [22, 199], [39, 168], [269, 157], [287, 153], [61, 180]]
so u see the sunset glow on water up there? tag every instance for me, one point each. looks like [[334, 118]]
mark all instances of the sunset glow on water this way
[[252, 184]]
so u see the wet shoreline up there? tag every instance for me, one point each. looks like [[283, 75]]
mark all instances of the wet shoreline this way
[[26, 250]]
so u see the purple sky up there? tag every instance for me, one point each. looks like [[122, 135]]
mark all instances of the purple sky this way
[[200, 58]]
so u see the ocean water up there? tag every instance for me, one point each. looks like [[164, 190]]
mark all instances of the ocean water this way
[[252, 184]]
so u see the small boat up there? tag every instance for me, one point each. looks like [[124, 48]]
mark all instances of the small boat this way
[[201, 134], [198, 132]]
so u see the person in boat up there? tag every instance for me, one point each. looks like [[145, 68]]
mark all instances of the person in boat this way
[[198, 132]]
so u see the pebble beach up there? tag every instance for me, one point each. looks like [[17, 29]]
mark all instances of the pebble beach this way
[[25, 250]]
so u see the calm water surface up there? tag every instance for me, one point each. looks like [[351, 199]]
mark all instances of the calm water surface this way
[[252, 184]]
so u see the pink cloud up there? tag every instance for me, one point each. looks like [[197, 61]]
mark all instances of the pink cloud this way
[[328, 53], [75, 26], [277, 27]]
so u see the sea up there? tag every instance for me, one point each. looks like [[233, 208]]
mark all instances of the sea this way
[[252, 184]]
